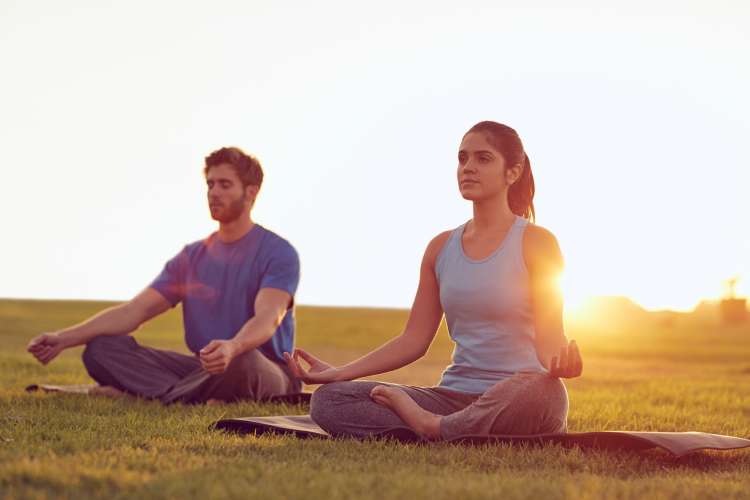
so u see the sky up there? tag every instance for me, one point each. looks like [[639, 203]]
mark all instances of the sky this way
[[635, 116]]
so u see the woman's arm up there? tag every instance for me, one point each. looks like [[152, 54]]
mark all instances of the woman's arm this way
[[544, 262], [411, 345]]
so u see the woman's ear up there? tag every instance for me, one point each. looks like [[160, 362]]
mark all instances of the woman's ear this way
[[513, 173]]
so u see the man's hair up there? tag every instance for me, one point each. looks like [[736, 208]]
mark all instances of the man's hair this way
[[246, 166]]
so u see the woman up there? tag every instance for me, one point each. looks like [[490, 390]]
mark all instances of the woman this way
[[495, 278]]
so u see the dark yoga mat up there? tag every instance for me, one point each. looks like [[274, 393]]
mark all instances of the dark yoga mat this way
[[676, 443], [292, 399]]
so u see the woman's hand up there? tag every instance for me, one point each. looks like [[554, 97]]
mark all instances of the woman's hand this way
[[319, 372], [569, 364]]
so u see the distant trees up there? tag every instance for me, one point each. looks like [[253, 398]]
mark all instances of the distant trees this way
[[733, 309]]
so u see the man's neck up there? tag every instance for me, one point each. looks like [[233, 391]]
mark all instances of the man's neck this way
[[234, 230]]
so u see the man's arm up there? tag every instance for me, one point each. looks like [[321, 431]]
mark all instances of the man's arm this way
[[118, 320], [271, 304]]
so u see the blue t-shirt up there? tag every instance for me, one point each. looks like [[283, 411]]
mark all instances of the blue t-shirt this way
[[217, 284]]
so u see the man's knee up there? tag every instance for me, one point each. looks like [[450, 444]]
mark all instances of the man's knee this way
[[100, 347], [244, 364]]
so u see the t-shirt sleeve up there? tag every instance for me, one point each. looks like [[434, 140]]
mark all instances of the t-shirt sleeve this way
[[282, 271], [171, 281]]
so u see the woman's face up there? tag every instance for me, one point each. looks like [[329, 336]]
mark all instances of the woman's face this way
[[481, 169]]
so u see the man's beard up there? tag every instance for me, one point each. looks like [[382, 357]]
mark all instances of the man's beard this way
[[230, 213]]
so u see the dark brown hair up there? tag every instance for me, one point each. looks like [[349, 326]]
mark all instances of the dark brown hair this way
[[507, 142], [246, 166]]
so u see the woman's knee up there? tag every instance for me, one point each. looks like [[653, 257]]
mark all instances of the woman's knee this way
[[552, 407], [528, 404], [557, 395], [328, 394], [327, 400]]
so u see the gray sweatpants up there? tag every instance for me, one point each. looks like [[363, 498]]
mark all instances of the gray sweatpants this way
[[120, 362], [525, 404]]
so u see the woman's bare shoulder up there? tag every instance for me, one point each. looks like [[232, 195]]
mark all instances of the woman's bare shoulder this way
[[539, 235], [436, 245], [540, 244]]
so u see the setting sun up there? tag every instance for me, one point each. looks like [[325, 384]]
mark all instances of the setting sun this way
[[574, 294]]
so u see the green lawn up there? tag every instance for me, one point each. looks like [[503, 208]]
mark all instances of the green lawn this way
[[644, 373]]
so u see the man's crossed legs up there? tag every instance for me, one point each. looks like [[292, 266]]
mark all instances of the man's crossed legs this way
[[120, 362]]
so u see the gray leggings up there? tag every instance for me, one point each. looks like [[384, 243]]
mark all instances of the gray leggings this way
[[525, 404]]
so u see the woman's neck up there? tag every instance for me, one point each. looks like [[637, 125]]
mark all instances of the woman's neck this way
[[492, 214]]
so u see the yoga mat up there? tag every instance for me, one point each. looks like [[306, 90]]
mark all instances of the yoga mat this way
[[292, 399], [676, 443]]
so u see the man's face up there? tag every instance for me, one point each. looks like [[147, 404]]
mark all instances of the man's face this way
[[227, 199]]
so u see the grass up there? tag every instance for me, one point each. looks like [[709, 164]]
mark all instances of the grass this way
[[641, 374]]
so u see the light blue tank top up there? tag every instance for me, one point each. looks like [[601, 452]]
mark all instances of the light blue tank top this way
[[488, 310]]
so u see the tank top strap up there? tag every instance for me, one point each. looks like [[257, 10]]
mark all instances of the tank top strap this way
[[514, 243], [454, 240], [450, 250]]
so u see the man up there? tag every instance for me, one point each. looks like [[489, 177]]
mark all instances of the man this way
[[237, 291]]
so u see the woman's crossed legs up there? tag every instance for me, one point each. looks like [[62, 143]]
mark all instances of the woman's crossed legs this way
[[525, 404]]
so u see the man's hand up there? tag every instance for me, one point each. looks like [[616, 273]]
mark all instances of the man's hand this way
[[569, 364], [46, 347], [217, 355], [319, 372]]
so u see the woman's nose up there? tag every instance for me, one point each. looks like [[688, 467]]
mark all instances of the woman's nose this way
[[468, 167]]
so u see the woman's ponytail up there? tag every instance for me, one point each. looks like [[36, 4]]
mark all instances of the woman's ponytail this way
[[521, 192]]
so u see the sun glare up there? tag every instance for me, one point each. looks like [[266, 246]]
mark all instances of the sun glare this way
[[575, 295]]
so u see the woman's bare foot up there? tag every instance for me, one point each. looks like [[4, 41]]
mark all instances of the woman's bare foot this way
[[423, 422], [108, 391]]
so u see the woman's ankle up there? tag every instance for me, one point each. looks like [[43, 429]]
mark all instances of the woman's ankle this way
[[429, 426]]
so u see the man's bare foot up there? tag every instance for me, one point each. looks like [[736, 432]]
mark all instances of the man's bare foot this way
[[423, 422], [108, 391], [215, 402]]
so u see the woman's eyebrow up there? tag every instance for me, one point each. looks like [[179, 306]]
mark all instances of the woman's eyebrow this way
[[478, 151]]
